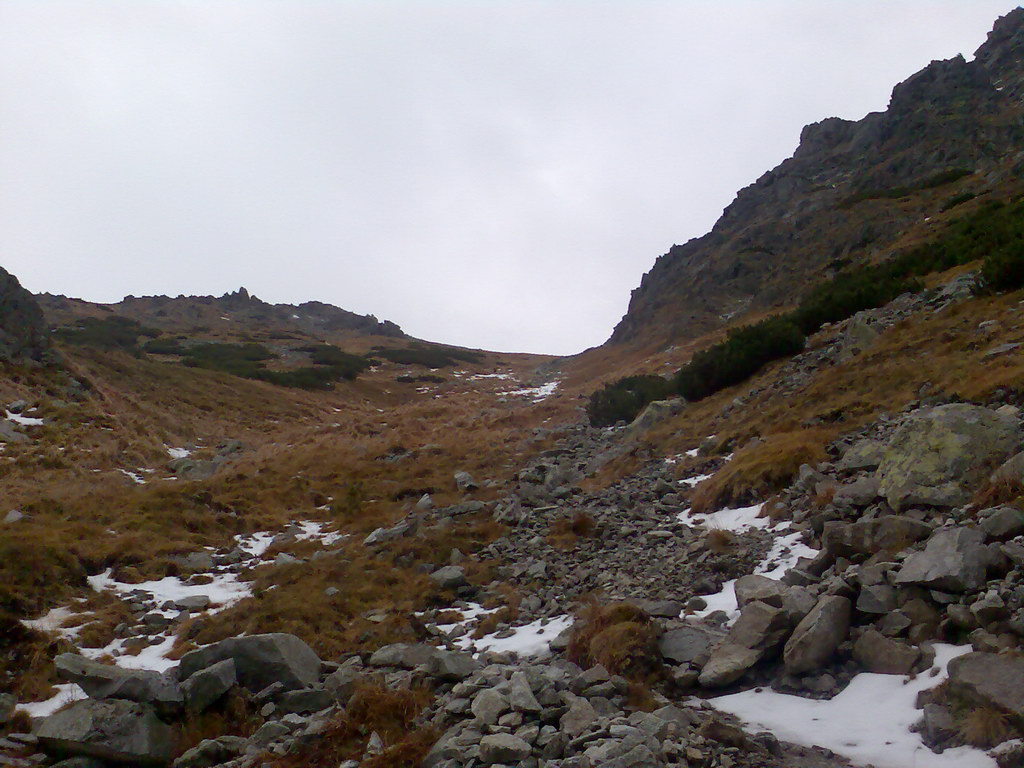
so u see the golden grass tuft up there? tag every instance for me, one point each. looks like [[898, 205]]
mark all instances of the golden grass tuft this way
[[984, 727], [234, 715], [759, 470], [719, 540], [564, 532], [619, 636]]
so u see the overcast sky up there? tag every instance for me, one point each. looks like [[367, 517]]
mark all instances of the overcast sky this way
[[491, 174]]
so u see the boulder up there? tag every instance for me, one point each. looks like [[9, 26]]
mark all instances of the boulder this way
[[578, 718], [106, 681], [465, 482], [520, 695], [936, 456], [728, 663], [860, 333], [260, 660], [503, 748], [760, 626], [449, 577], [953, 560], [867, 537], [654, 413], [760, 588], [864, 454], [342, 682], [210, 752], [207, 685], [878, 653], [689, 644], [859, 493], [989, 679], [818, 635], [9, 433], [1002, 523], [404, 655], [113, 730], [452, 666], [489, 705]]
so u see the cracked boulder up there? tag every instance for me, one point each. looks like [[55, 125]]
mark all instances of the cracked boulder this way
[[112, 730]]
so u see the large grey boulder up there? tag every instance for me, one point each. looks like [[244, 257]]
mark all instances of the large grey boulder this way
[[818, 635], [206, 686], [259, 660], [864, 454], [878, 653], [113, 730], [452, 665], [106, 681], [503, 748], [989, 679], [867, 537], [689, 644], [9, 433], [465, 482], [449, 577], [760, 626], [728, 663], [404, 655], [759, 588], [653, 414], [939, 453], [953, 560]]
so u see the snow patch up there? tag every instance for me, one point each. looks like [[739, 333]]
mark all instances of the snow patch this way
[[178, 453], [868, 723], [528, 640], [25, 421]]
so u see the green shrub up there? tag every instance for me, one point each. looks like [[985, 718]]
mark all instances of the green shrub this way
[[936, 180], [343, 364], [113, 332], [623, 400], [849, 292], [429, 357], [744, 352], [1003, 270], [245, 360], [956, 200], [164, 347]]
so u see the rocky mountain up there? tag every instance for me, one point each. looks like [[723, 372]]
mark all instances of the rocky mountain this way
[[183, 313], [848, 193], [23, 333]]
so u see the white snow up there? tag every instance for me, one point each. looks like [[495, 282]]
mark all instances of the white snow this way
[[736, 520], [255, 544], [478, 376], [225, 588], [25, 421], [528, 640], [692, 481], [66, 693], [868, 723], [52, 621], [692, 453], [537, 393], [137, 478], [178, 453], [314, 530]]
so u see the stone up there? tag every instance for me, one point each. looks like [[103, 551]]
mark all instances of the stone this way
[[488, 706], [876, 598], [936, 455], [9, 433], [689, 644], [207, 685], [194, 562], [8, 703], [761, 588], [452, 665], [1011, 470], [1009, 754], [728, 663], [989, 679], [449, 577], [878, 653], [859, 493], [106, 681], [654, 413], [860, 332], [404, 655], [578, 718], [211, 752], [260, 660], [867, 537], [760, 626], [505, 748], [818, 635], [305, 700], [1002, 523], [341, 683], [114, 730], [464, 482], [953, 560], [14, 516], [193, 603], [520, 695], [864, 454]]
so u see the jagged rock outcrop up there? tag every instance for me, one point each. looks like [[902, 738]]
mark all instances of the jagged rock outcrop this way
[[23, 333], [832, 201]]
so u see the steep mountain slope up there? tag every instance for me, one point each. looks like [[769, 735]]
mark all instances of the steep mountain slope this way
[[23, 333], [184, 313], [848, 192]]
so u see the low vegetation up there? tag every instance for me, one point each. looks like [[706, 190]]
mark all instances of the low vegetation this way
[[112, 332], [428, 356], [622, 400], [619, 636]]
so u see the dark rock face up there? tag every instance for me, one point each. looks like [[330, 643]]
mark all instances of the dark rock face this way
[[796, 219], [115, 731], [260, 660], [23, 334]]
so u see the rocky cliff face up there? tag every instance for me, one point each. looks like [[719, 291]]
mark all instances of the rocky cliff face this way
[[23, 334], [183, 312], [838, 199]]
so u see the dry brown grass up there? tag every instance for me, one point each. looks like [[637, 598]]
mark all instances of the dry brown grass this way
[[26, 660], [998, 492], [619, 636], [984, 727], [373, 708], [234, 715], [564, 532], [719, 540], [760, 470]]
